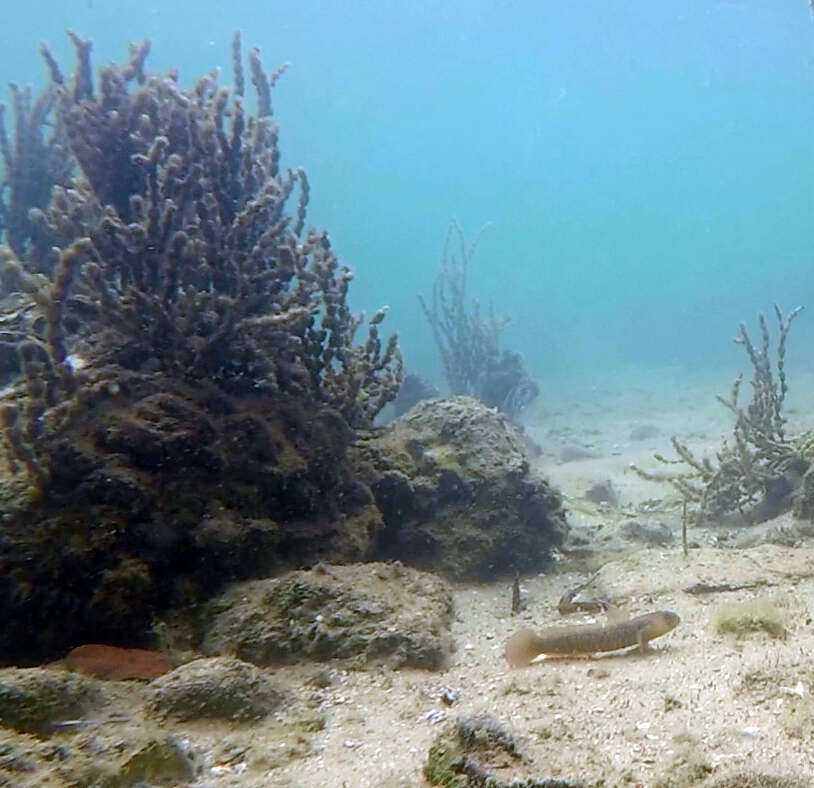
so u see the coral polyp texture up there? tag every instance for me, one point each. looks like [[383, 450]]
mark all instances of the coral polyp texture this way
[[177, 248], [189, 378]]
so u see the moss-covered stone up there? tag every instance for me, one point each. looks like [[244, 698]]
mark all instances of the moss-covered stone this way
[[453, 482], [32, 700], [370, 613], [216, 687], [753, 615], [471, 753]]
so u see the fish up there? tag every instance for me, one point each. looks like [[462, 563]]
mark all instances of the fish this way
[[526, 645]]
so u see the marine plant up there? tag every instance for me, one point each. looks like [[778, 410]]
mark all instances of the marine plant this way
[[756, 472], [175, 253], [35, 158], [189, 378], [468, 342]]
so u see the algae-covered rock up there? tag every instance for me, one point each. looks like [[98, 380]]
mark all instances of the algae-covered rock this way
[[156, 490], [161, 760], [453, 482], [215, 687], [372, 612], [479, 750], [33, 699]]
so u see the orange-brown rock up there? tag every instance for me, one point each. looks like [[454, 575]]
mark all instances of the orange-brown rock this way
[[115, 664]]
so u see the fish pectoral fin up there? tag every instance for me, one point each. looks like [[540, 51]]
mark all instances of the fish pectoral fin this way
[[641, 639]]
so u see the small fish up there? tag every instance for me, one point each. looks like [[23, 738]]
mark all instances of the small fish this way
[[525, 646]]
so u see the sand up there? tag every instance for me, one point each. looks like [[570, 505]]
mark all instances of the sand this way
[[701, 707]]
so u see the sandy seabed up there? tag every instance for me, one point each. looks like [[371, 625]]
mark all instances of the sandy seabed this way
[[701, 709]]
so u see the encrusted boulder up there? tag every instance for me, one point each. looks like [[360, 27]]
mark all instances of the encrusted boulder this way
[[33, 700], [453, 482], [158, 496], [369, 613], [214, 688]]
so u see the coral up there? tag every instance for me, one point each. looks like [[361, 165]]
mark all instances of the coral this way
[[468, 343], [177, 252], [188, 379], [35, 158], [757, 473]]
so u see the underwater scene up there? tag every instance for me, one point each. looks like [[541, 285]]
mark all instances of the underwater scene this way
[[407, 394]]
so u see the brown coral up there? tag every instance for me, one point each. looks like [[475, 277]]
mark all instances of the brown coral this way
[[189, 379]]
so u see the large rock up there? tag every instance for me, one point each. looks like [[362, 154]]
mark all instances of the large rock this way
[[371, 613], [452, 480], [215, 688], [35, 700], [158, 495]]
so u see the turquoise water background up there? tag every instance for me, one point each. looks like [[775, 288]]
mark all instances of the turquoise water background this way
[[647, 168]]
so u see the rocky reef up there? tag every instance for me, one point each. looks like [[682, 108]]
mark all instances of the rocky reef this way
[[453, 482], [186, 402], [189, 377]]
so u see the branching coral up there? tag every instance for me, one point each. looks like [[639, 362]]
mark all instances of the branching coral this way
[[757, 472], [187, 381], [468, 343], [177, 252], [35, 158]]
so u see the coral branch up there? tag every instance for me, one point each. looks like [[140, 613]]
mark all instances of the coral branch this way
[[468, 344], [757, 473]]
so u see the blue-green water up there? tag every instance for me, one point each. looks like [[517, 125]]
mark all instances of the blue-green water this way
[[647, 167]]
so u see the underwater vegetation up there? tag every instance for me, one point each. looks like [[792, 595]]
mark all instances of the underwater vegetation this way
[[187, 350], [467, 342], [761, 472], [186, 402], [754, 615]]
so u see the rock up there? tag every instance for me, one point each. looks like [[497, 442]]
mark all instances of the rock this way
[[164, 760], [33, 699], [452, 480], [116, 664], [635, 531], [215, 688], [643, 432], [477, 750], [373, 613], [573, 452], [602, 492]]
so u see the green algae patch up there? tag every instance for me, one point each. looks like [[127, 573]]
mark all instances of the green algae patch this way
[[35, 700], [480, 751], [754, 615]]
